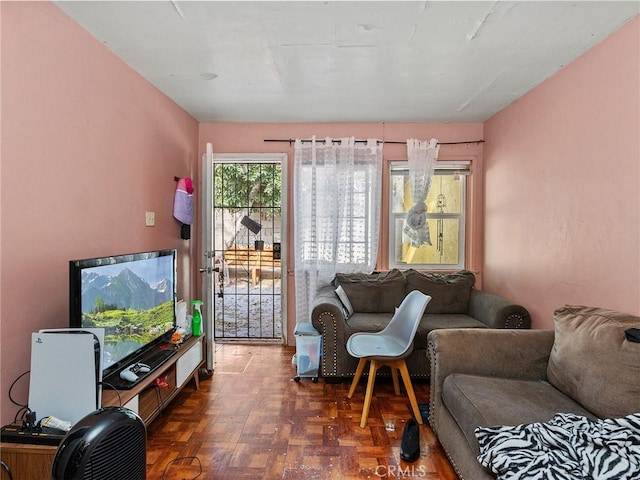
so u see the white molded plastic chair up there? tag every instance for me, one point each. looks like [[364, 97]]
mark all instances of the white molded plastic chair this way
[[389, 347]]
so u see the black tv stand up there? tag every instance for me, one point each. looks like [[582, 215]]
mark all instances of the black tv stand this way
[[154, 357]]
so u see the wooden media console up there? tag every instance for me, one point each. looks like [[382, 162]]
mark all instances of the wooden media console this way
[[147, 399]]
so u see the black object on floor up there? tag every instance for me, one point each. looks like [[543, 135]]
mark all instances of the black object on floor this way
[[424, 412], [410, 445], [633, 334]]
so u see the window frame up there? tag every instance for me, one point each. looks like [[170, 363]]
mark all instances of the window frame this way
[[443, 167]]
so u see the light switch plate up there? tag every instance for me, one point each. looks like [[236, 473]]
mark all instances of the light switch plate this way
[[150, 219]]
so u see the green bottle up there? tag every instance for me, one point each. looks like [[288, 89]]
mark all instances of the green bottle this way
[[196, 320]]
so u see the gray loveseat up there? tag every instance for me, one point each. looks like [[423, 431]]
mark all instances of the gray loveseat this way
[[374, 298], [490, 378]]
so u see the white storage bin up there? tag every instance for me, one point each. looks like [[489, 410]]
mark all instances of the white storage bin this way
[[308, 351]]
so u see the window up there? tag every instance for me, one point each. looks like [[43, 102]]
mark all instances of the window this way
[[446, 206], [352, 246], [336, 192], [337, 199], [343, 233]]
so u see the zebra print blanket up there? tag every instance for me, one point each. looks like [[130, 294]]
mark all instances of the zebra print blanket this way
[[568, 447]]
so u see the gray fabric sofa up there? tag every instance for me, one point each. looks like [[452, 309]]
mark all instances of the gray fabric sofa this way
[[490, 378], [374, 298]]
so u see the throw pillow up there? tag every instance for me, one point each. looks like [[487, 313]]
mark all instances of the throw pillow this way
[[593, 363], [375, 292], [450, 292], [344, 299]]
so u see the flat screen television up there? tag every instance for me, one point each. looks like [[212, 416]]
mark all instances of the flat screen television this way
[[132, 296]]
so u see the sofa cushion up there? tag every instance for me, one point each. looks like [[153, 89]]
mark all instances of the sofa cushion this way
[[374, 322], [474, 400], [433, 321], [592, 362], [365, 322], [449, 291], [375, 292]]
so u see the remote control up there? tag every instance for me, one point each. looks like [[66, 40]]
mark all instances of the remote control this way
[[140, 367], [127, 374], [130, 372]]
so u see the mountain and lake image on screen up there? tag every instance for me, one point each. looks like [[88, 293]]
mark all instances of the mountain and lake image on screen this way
[[133, 301]]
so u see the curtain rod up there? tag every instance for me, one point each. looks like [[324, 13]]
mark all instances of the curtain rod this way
[[291, 141]]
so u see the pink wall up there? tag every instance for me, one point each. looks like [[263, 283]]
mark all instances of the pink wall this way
[[249, 138], [87, 147], [562, 183]]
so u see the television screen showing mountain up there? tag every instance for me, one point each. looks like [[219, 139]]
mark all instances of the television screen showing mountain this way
[[132, 301]]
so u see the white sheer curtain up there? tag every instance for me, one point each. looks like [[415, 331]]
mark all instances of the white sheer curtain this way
[[422, 158], [336, 198]]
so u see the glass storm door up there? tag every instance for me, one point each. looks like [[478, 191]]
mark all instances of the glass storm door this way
[[245, 230]]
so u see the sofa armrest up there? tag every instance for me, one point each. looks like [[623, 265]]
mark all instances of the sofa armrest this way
[[506, 353], [327, 316], [521, 354], [497, 312]]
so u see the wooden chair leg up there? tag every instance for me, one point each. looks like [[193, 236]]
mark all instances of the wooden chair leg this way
[[402, 366], [367, 397], [397, 365], [356, 378], [394, 376]]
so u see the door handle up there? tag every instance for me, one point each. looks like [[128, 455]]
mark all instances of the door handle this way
[[209, 269]]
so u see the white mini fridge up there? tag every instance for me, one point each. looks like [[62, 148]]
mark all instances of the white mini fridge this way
[[308, 351]]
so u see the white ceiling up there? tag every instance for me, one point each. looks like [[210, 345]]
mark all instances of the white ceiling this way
[[364, 61]]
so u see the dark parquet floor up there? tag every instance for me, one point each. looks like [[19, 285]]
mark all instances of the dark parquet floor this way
[[252, 421]]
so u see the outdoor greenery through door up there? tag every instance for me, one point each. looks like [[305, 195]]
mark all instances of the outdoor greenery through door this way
[[247, 241]]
